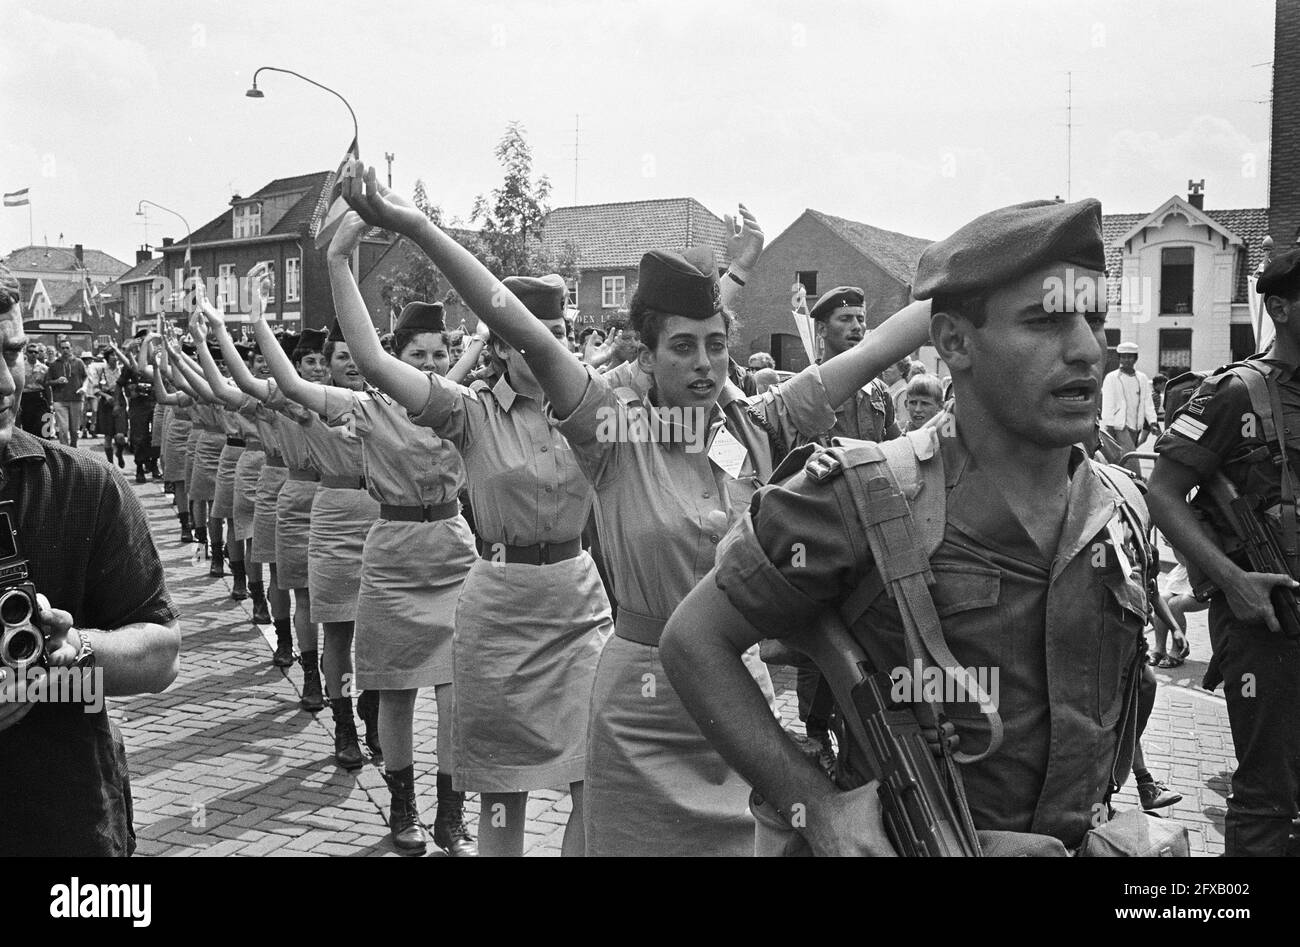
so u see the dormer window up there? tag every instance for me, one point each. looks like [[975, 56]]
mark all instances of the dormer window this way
[[248, 220]]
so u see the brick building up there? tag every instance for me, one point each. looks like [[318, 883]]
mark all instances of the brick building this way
[[610, 239], [276, 225], [1284, 163], [66, 285], [820, 252]]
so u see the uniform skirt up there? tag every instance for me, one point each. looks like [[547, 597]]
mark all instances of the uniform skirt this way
[[248, 469], [655, 785], [159, 423], [411, 579], [527, 642], [269, 483], [223, 502], [207, 455], [292, 533], [340, 520], [174, 445]]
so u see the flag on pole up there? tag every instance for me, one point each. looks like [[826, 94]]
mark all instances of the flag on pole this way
[[802, 320], [17, 198], [1260, 320], [337, 206]]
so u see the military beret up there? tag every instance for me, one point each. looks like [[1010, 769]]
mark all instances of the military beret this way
[[1003, 245], [543, 296], [141, 332], [245, 351], [1282, 275], [313, 340], [336, 333], [189, 349], [680, 284], [290, 341], [1126, 348], [215, 351], [421, 317], [837, 298]]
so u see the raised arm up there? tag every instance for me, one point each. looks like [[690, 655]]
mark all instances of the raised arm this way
[[562, 377], [223, 390], [744, 245], [405, 383], [162, 392], [293, 385], [474, 346], [902, 333], [193, 375]]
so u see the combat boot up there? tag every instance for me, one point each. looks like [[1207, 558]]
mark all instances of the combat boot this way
[[239, 587], [313, 698], [347, 752], [200, 551], [217, 552], [187, 534], [449, 830], [368, 711], [283, 656], [1156, 795], [139, 474], [261, 614], [404, 813]]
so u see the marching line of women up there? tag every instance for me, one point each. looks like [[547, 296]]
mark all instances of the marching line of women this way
[[352, 471]]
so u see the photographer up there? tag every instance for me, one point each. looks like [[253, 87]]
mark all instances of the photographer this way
[[102, 604]]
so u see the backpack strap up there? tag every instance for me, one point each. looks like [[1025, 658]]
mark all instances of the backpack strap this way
[[1260, 380], [903, 563]]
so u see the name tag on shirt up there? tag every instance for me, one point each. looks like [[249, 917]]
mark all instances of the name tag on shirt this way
[[727, 452]]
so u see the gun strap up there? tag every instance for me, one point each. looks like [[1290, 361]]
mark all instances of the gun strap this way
[[904, 567], [1288, 487]]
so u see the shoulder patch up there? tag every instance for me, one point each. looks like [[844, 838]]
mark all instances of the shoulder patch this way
[[1196, 405], [823, 465]]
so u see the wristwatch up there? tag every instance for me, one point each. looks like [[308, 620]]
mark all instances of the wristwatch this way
[[86, 656]]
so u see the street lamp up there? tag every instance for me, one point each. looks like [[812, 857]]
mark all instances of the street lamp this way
[[189, 235], [255, 93]]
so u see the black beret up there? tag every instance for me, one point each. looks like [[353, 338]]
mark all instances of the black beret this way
[[141, 332], [336, 332], [313, 340], [245, 351], [1005, 244], [1282, 276], [543, 296], [675, 284], [837, 298], [421, 317], [290, 341], [189, 349], [215, 351]]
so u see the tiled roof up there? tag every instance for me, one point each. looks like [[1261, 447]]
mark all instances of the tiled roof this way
[[895, 253], [295, 220], [615, 236], [60, 291], [140, 271], [63, 260], [1248, 223]]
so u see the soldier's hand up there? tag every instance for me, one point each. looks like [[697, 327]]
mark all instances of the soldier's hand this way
[[931, 734], [1249, 597], [849, 824]]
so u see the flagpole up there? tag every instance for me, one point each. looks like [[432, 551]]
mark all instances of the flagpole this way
[[31, 241]]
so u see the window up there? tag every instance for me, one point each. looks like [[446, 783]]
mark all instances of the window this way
[[1175, 351], [227, 288], [133, 300], [613, 291], [270, 269], [248, 220], [178, 290], [1241, 340], [571, 296], [1176, 280], [808, 280], [292, 279]]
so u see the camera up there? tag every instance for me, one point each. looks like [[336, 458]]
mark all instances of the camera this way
[[22, 644]]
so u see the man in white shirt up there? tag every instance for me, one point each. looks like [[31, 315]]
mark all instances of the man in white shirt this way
[[1128, 411]]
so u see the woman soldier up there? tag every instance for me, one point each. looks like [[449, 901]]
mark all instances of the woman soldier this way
[[176, 435], [342, 513], [667, 472], [206, 419], [416, 555], [256, 386], [221, 517], [243, 409], [533, 615]]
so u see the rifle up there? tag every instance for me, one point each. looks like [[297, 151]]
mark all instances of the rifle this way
[[1261, 548], [920, 815]]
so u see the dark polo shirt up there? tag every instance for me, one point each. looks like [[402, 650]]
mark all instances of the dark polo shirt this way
[[63, 779]]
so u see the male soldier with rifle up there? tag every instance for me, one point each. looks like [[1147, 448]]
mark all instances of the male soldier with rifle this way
[[1225, 441], [1030, 529]]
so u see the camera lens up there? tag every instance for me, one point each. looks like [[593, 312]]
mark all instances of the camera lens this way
[[15, 608], [20, 647]]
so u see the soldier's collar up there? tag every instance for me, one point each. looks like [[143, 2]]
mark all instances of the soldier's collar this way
[[504, 394]]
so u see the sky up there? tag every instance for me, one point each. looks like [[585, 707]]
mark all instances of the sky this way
[[912, 115]]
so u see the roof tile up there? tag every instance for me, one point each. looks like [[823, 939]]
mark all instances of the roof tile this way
[[615, 236]]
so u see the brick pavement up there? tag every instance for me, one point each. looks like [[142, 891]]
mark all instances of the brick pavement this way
[[224, 762]]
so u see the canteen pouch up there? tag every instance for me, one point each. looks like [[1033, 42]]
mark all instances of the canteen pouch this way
[[1134, 834]]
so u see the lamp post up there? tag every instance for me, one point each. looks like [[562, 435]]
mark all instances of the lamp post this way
[[255, 93], [189, 237]]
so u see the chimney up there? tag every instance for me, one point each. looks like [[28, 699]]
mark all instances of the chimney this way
[[143, 255], [1196, 193], [81, 255], [167, 241]]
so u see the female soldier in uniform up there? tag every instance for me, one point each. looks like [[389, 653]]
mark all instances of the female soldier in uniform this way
[[653, 783], [342, 513], [533, 615], [210, 441], [177, 427]]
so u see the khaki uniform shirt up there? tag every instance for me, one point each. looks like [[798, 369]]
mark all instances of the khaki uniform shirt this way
[[1061, 627], [405, 465], [525, 486], [291, 422]]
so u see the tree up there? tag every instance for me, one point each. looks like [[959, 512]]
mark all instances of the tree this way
[[511, 221], [414, 277]]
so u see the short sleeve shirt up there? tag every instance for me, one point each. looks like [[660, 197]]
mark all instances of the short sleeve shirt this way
[[405, 465], [74, 370], [62, 788], [525, 486], [291, 421]]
